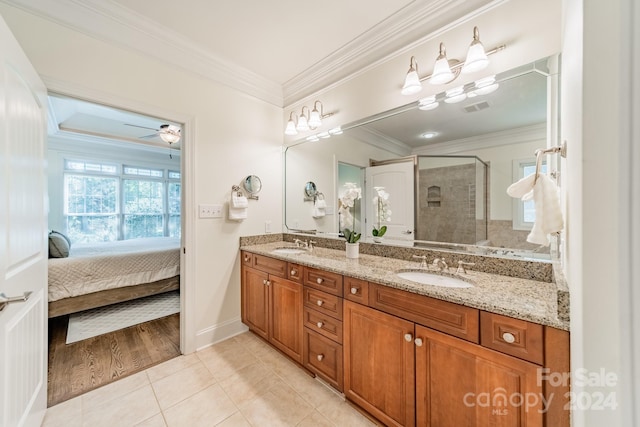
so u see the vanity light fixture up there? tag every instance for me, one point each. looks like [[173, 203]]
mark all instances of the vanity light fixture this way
[[412, 81], [455, 95], [447, 70], [306, 121], [484, 86], [428, 103]]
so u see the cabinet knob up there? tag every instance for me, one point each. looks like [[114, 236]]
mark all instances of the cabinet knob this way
[[320, 357], [408, 337], [268, 282], [319, 280], [294, 272], [320, 324], [264, 281], [246, 258], [320, 302], [508, 337], [354, 291], [418, 342]]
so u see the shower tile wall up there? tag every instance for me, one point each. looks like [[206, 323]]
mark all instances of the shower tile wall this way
[[452, 218]]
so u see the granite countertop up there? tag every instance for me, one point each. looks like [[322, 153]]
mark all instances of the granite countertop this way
[[525, 299]]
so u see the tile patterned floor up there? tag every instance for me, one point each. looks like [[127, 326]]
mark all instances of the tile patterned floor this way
[[239, 382]]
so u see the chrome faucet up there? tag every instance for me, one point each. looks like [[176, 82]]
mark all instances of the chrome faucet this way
[[423, 258], [440, 264], [461, 266], [310, 246], [297, 242]]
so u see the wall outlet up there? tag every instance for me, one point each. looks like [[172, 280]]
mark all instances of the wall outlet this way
[[210, 211]]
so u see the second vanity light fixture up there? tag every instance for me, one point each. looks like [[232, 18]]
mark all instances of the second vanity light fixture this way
[[305, 122], [447, 70]]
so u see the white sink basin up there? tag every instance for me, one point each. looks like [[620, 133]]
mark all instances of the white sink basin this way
[[433, 279], [288, 251]]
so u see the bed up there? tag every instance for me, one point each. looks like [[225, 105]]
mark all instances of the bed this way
[[95, 275]]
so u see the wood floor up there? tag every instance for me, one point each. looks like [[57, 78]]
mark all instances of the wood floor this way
[[85, 365]]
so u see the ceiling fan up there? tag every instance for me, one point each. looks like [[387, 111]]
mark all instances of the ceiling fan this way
[[168, 133]]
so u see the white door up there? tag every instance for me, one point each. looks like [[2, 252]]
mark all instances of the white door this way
[[23, 238], [397, 180]]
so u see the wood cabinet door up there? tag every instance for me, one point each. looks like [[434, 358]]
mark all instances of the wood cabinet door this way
[[255, 301], [379, 364], [463, 384], [285, 316]]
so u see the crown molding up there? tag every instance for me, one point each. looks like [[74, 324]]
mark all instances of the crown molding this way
[[519, 135], [380, 140], [420, 20], [110, 22]]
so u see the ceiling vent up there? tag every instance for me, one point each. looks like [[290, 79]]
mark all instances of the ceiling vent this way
[[476, 107]]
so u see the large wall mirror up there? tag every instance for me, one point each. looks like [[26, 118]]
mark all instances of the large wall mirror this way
[[445, 170]]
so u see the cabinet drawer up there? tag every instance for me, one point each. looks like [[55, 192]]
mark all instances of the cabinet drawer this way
[[270, 265], [323, 280], [323, 324], [295, 272], [323, 302], [516, 337], [447, 317], [356, 290], [323, 357], [246, 258]]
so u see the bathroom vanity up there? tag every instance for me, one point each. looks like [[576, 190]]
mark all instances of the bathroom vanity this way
[[411, 353]]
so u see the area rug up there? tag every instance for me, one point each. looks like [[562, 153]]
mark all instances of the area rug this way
[[98, 321]]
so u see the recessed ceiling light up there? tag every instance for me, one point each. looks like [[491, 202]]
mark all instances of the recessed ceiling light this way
[[429, 135]]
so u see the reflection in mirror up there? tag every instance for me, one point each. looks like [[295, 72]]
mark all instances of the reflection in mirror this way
[[252, 184], [497, 133], [310, 190]]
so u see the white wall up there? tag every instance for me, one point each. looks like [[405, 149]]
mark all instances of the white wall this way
[[233, 135], [596, 123]]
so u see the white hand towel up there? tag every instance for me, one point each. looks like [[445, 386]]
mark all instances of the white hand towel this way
[[238, 200], [321, 204], [237, 214], [547, 203], [318, 213]]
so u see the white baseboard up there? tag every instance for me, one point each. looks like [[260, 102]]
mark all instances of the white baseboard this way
[[220, 332]]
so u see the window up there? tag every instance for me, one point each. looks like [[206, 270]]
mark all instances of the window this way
[[101, 204], [524, 213]]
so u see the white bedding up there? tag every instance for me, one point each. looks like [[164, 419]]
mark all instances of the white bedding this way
[[99, 266]]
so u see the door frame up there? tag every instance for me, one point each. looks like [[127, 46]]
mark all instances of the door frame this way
[[187, 165]]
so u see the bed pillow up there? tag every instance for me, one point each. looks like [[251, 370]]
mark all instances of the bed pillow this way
[[59, 245]]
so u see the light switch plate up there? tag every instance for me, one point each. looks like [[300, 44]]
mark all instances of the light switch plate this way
[[210, 211]]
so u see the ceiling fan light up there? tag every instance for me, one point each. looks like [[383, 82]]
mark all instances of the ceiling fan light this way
[[476, 56], [170, 133]]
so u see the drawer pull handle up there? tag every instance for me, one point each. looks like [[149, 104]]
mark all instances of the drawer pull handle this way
[[408, 337], [319, 280], [354, 291], [508, 337], [294, 272], [320, 302], [418, 342], [320, 324], [320, 357]]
